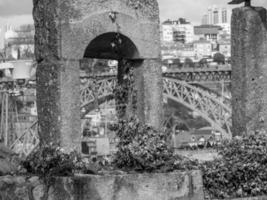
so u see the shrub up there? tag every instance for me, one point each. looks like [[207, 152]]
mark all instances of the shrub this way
[[141, 148], [188, 62], [203, 62], [241, 171], [219, 58], [50, 160]]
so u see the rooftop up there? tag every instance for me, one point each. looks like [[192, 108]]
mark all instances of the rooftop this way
[[207, 29], [202, 41]]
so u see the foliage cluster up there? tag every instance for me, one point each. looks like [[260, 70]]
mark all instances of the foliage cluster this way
[[219, 58], [124, 91], [241, 171], [51, 160], [141, 148]]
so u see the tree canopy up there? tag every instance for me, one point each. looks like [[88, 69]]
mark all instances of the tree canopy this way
[[219, 58]]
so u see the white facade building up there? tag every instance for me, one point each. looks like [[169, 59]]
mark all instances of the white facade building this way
[[167, 33], [186, 31], [218, 16], [177, 31], [203, 49]]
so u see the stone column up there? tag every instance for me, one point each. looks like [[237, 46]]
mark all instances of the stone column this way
[[139, 88], [70, 104], [249, 70], [48, 104], [58, 102], [149, 92]]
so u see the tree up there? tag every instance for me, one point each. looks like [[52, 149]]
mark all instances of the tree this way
[[165, 62], [188, 62], [219, 58], [176, 63], [203, 62], [3, 55]]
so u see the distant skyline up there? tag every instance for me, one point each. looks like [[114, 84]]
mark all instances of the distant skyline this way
[[17, 12]]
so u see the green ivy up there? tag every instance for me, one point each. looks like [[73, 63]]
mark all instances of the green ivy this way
[[142, 148], [50, 160], [241, 171]]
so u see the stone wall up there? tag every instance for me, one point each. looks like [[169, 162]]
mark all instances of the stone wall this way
[[249, 70], [170, 186], [250, 198]]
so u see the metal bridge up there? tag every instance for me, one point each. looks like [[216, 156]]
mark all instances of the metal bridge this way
[[209, 74], [220, 73], [211, 107]]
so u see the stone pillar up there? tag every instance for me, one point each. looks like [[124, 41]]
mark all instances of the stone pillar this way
[[139, 88], [249, 70], [70, 104], [58, 103], [48, 105], [149, 92]]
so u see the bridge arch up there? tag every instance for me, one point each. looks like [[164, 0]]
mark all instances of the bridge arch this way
[[210, 108], [204, 102]]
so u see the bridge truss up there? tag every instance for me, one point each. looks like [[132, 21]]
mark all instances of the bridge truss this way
[[209, 105], [205, 103]]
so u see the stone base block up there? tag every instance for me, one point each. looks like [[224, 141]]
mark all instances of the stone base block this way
[[169, 186]]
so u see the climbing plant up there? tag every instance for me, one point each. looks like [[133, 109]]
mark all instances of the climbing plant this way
[[124, 93], [241, 171], [142, 148]]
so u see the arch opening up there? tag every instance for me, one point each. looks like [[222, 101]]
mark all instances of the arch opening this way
[[113, 46]]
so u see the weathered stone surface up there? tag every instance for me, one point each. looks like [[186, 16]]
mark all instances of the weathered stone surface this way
[[6, 167], [5, 152], [251, 198], [153, 86], [64, 32], [58, 102], [6, 164], [65, 28], [69, 30], [171, 186], [48, 101], [70, 105], [249, 70]]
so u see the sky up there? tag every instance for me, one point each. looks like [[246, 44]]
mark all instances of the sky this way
[[17, 12]]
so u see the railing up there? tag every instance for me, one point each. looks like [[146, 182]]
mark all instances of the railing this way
[[27, 141]]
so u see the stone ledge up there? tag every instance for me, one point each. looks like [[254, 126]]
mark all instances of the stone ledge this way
[[249, 198], [168, 186]]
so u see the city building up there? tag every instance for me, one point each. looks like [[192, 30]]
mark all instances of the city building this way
[[183, 33], [19, 43], [207, 32], [171, 50], [2, 38], [220, 16], [177, 31], [217, 15], [225, 48], [205, 19], [167, 33], [188, 52], [202, 48]]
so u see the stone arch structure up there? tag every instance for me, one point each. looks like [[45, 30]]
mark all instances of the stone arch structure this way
[[70, 30], [101, 47]]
